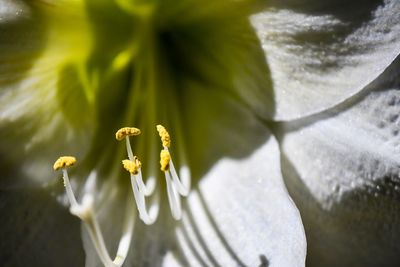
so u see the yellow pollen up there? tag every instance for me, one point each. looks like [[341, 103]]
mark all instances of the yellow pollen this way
[[63, 162], [132, 166], [165, 139], [164, 160], [126, 131]]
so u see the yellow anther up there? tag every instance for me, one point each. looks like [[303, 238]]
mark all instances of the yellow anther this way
[[126, 131], [165, 139], [164, 160], [63, 162], [132, 166]]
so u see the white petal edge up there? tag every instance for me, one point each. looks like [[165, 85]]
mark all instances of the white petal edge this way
[[318, 58], [342, 169]]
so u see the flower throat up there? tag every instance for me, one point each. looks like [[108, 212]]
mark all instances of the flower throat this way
[[138, 72], [175, 189]]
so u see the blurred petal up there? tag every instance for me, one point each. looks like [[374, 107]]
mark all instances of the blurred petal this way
[[110, 213], [171, 261], [239, 214], [342, 168], [36, 89], [321, 53], [39, 234], [114, 205]]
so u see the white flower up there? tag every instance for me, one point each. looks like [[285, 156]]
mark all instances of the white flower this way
[[315, 107]]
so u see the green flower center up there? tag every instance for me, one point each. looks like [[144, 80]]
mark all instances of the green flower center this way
[[132, 64], [141, 60]]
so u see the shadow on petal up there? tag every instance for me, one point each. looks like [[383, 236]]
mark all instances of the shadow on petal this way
[[357, 231], [342, 169], [354, 13], [218, 127], [22, 40], [37, 231], [240, 215], [322, 53]]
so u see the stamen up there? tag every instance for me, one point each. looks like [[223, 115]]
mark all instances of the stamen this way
[[165, 138], [184, 186], [175, 188], [126, 131], [173, 197], [148, 188], [62, 162], [138, 187], [86, 213], [147, 217], [132, 166]]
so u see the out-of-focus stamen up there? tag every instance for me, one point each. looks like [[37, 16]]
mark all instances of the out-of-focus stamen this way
[[85, 212]]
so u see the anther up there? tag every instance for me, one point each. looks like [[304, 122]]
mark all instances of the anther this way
[[175, 188], [165, 158], [126, 131], [165, 138], [132, 166], [63, 162]]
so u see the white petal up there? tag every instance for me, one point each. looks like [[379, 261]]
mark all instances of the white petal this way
[[40, 85], [342, 168], [36, 231], [11, 10], [171, 261], [240, 213], [320, 54]]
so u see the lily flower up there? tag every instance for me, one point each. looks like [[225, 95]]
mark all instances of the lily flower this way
[[254, 103]]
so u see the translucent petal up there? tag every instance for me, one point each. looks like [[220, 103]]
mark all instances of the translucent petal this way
[[113, 204], [110, 212], [342, 169], [237, 173], [33, 53], [321, 53]]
